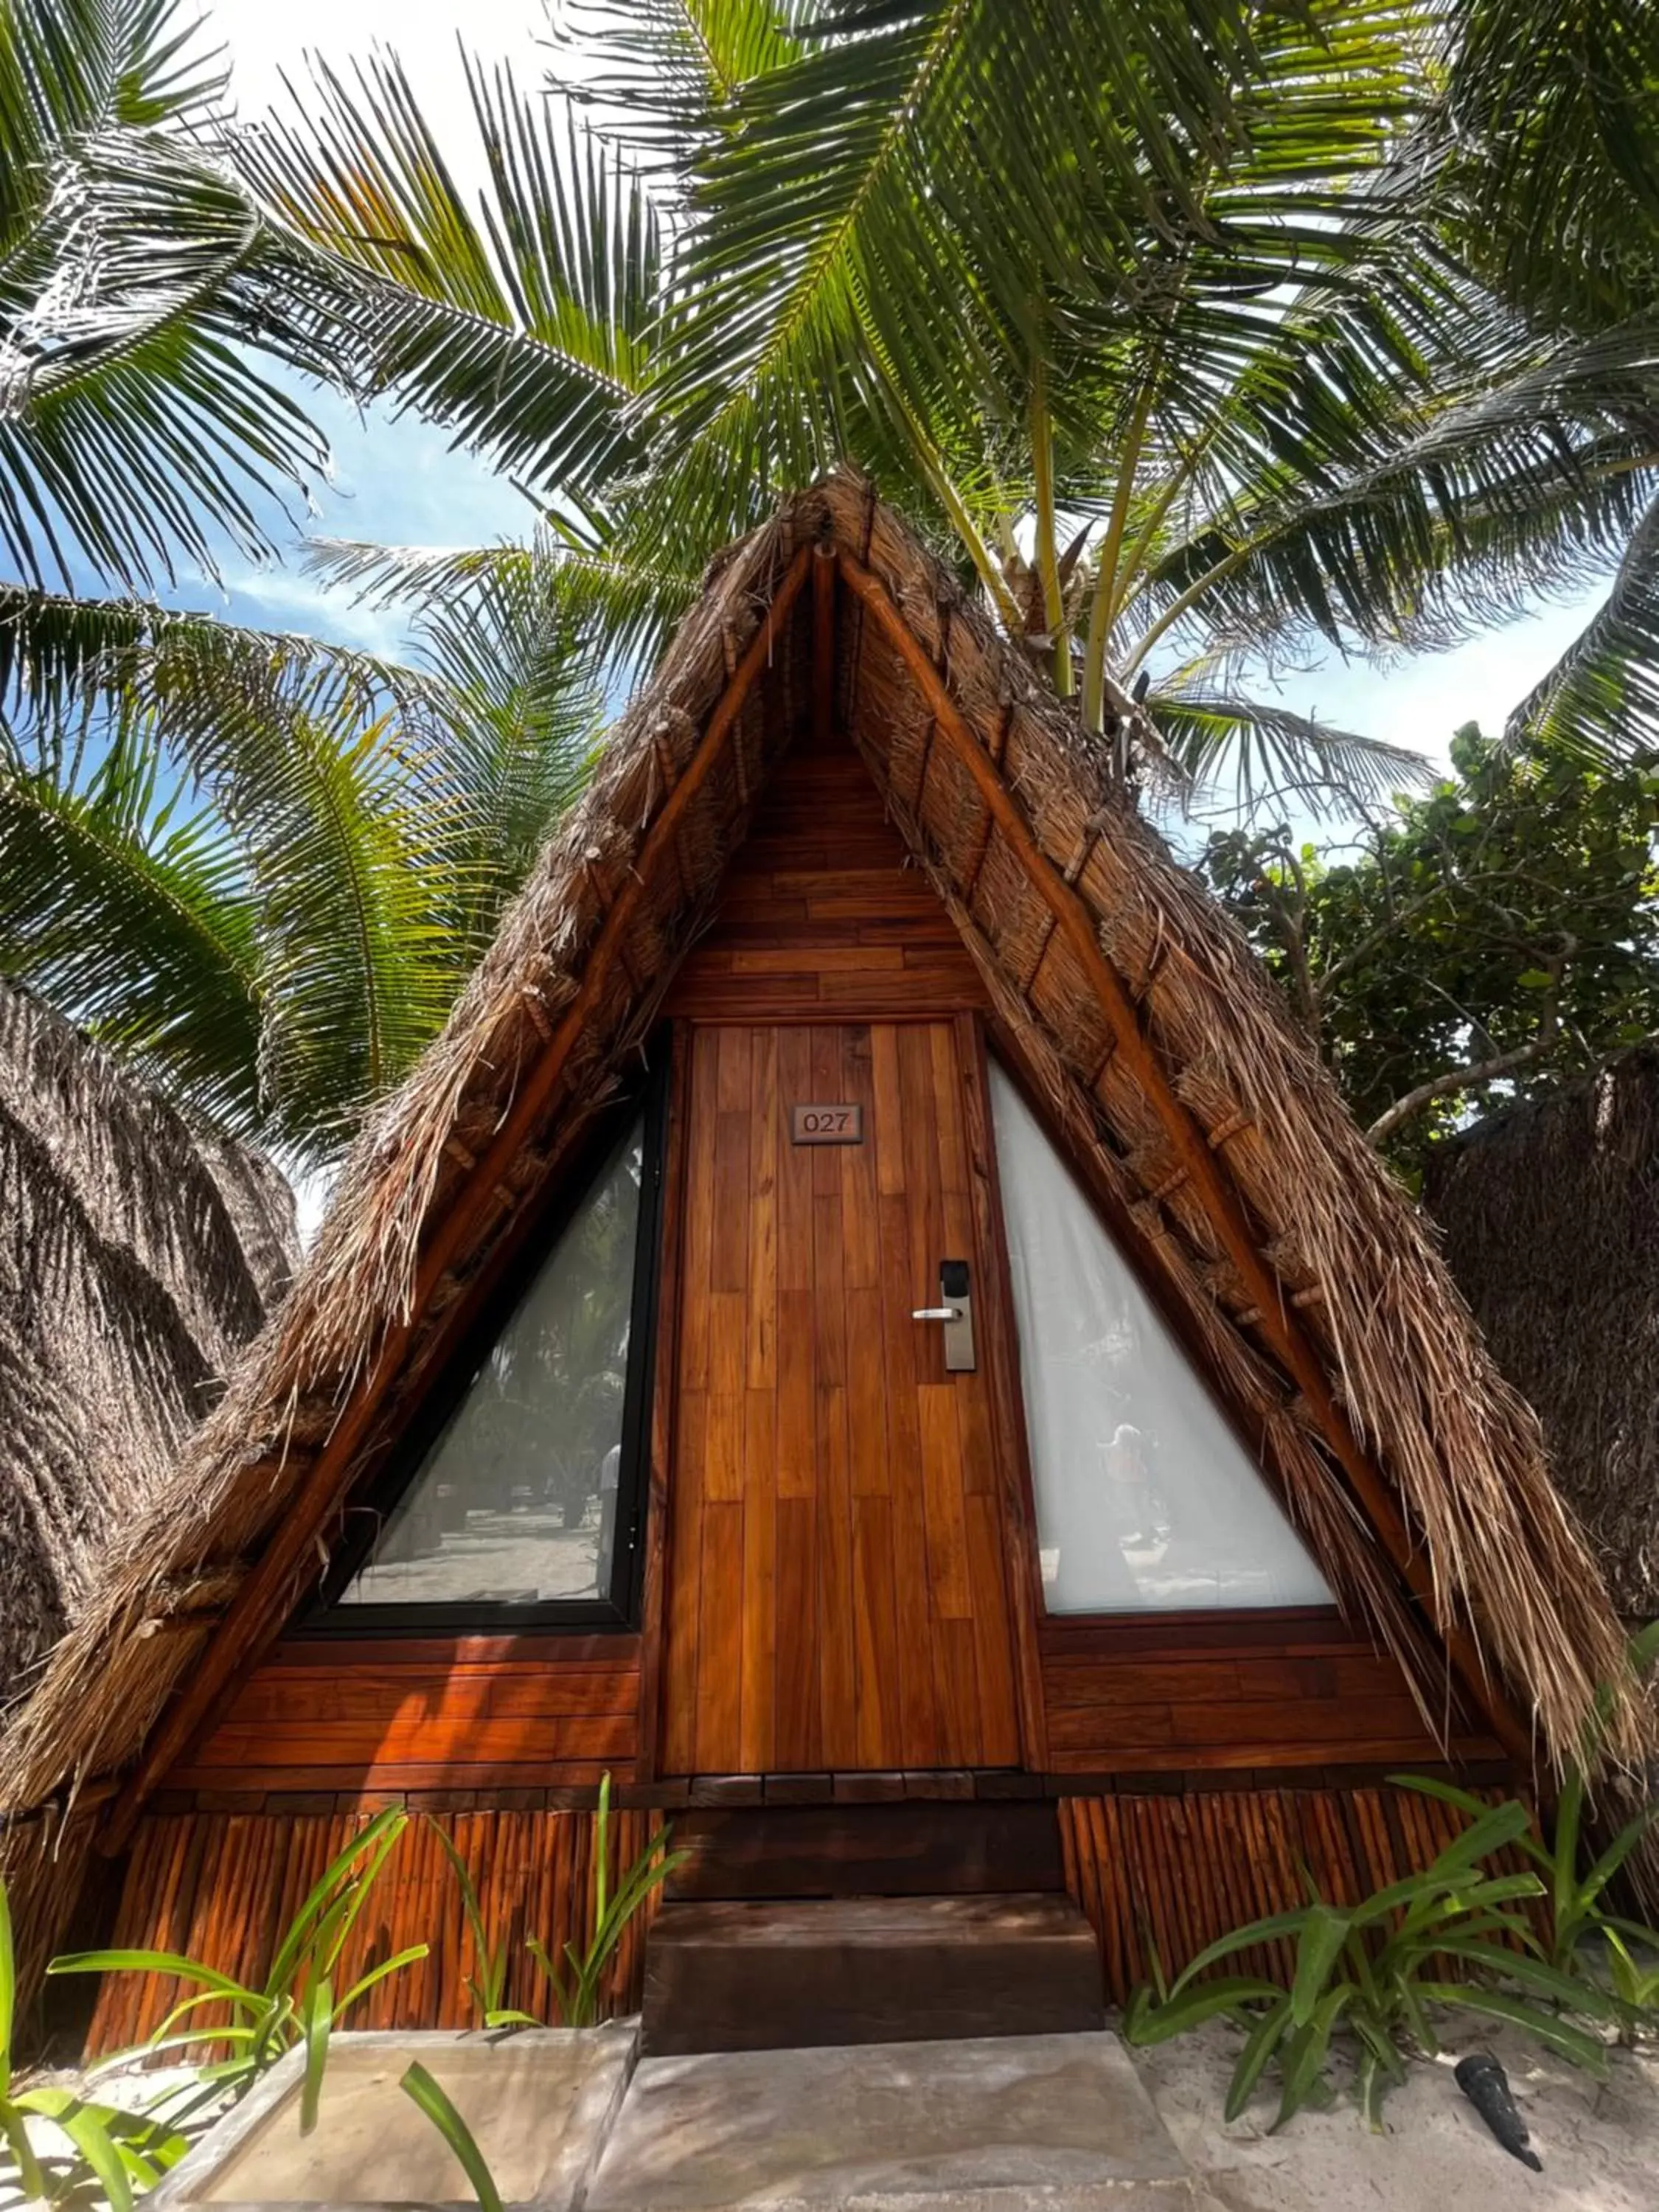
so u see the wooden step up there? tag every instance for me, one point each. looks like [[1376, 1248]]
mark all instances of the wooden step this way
[[910, 1849], [768, 1976]]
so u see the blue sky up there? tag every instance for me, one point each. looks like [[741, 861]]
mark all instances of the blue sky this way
[[398, 482]]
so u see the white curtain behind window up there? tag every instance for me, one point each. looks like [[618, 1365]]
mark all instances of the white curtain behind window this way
[[1145, 1500]]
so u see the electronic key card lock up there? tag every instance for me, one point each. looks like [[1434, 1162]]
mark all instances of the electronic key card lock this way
[[956, 1310]]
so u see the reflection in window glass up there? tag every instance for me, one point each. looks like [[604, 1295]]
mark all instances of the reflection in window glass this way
[[516, 1503], [1145, 1500]]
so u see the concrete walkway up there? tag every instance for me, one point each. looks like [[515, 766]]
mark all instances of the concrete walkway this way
[[1060, 2122]]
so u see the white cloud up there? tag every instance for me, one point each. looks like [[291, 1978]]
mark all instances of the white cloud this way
[[266, 41]]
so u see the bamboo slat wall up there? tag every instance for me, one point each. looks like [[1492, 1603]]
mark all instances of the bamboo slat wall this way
[[223, 1888], [1185, 1868], [1178, 1869]]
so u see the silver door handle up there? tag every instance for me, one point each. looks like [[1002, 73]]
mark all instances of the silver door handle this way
[[957, 1316]]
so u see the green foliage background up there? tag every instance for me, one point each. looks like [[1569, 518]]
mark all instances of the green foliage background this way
[[1514, 908]]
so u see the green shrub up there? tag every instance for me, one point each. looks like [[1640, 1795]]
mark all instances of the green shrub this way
[[576, 1988], [116, 2149], [296, 2002], [1375, 1970]]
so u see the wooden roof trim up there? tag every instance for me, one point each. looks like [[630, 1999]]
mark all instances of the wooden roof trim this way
[[1201, 1164], [255, 1615]]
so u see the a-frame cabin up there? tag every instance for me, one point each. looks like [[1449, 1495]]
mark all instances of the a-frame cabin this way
[[871, 1328]]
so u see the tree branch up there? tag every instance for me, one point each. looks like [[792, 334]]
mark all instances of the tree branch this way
[[1484, 1071]]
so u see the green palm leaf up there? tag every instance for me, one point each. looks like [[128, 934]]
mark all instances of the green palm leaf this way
[[522, 325], [134, 913], [132, 428], [1602, 697]]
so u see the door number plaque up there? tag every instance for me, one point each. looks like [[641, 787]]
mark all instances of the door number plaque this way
[[826, 1125]]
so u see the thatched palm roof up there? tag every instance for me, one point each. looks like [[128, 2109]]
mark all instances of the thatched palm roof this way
[[1207, 1127], [136, 1259], [1550, 1220]]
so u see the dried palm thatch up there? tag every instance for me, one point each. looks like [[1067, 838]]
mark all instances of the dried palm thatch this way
[[1549, 1215], [136, 1261], [1126, 995]]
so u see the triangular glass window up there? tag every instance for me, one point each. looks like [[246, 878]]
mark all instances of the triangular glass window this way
[[1145, 1500], [515, 1502]]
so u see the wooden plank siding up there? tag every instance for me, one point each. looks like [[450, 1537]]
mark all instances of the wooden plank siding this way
[[222, 1887], [837, 1593], [1149, 1695], [821, 914], [458, 1713]]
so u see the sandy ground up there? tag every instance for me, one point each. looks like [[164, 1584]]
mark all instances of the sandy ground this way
[[1600, 2143]]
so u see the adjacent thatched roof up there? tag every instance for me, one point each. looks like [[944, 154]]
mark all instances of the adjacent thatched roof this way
[[561, 1002], [1550, 1220], [136, 1261]]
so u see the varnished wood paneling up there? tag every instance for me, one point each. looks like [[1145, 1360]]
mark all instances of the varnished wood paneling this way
[[466, 1712], [837, 1591], [1293, 1690], [1181, 1869], [223, 1888], [821, 914]]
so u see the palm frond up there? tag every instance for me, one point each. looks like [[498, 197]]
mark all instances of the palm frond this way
[[134, 429], [1601, 700], [64, 659], [358, 967], [1551, 138], [134, 914], [524, 326], [73, 68], [1520, 481], [658, 74], [1250, 754], [622, 604], [523, 750]]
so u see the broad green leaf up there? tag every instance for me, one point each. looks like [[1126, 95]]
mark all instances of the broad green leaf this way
[[1188, 2007], [319, 2019], [154, 1962], [398, 1961], [1321, 1945], [390, 1821], [1559, 2034], [1260, 2045], [1266, 1930], [431, 2097]]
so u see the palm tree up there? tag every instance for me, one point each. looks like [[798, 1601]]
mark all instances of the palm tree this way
[[1551, 148], [263, 869], [258, 865], [1166, 316], [1156, 312], [136, 1258]]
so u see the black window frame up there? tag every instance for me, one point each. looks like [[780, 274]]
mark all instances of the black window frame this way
[[618, 1611]]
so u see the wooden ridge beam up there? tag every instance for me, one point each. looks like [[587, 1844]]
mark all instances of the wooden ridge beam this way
[[1222, 1202], [255, 1613]]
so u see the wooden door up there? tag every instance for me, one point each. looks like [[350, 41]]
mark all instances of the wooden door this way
[[837, 1593]]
